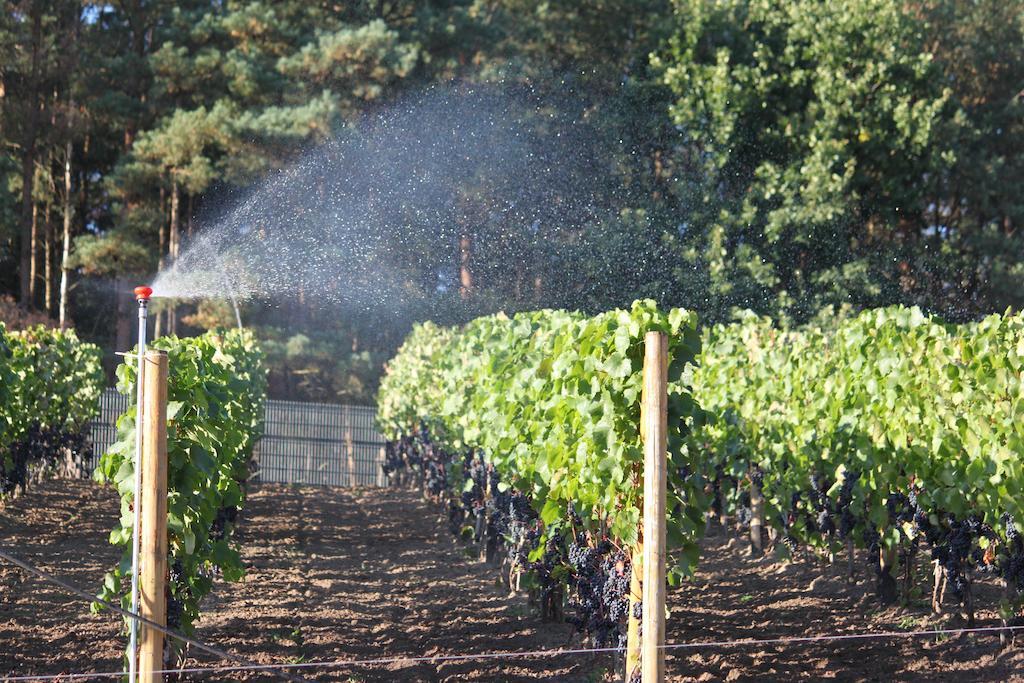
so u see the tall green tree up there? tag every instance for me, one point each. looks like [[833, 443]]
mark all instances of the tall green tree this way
[[812, 133], [35, 37], [976, 252]]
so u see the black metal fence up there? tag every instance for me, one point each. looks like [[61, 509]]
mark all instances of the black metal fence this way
[[321, 444]]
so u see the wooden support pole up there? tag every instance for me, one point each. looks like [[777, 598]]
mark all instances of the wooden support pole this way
[[756, 518], [655, 432], [153, 532], [350, 454]]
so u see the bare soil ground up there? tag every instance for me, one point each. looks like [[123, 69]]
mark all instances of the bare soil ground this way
[[734, 596], [366, 574], [331, 575]]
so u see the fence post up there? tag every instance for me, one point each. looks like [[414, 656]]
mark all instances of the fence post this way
[[153, 532], [381, 455], [655, 435], [353, 480]]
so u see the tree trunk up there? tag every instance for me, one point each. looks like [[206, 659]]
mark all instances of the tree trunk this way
[[886, 586], [908, 571], [968, 602], [28, 163], [48, 263], [1009, 595], [938, 587], [65, 270], [173, 243], [33, 263], [465, 275], [162, 233]]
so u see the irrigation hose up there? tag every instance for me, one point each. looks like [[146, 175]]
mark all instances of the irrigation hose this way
[[4, 555]]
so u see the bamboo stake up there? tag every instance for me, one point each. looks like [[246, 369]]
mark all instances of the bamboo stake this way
[[655, 418], [153, 502]]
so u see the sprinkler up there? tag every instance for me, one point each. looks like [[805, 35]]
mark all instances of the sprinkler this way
[[142, 295]]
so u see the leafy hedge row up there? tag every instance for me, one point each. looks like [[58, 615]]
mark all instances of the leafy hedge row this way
[[885, 430], [552, 401], [50, 384], [888, 431], [216, 391]]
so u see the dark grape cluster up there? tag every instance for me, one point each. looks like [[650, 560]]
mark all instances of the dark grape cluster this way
[[900, 508], [403, 454], [581, 556], [717, 494], [433, 468], [393, 461], [1012, 563], [954, 547], [225, 516], [922, 521], [176, 588], [595, 571], [953, 554], [788, 538], [600, 583], [872, 541], [824, 511], [844, 504], [756, 475], [473, 494], [1013, 537], [40, 446]]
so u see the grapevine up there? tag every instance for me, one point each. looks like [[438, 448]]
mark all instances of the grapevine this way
[[537, 418], [216, 389], [50, 384]]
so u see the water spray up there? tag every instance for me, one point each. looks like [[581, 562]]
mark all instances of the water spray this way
[[142, 295]]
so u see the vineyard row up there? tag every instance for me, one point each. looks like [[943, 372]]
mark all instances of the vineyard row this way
[[889, 431]]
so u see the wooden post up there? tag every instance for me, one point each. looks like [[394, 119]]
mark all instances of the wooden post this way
[[938, 587], [655, 432], [756, 518], [381, 455], [350, 452], [153, 532]]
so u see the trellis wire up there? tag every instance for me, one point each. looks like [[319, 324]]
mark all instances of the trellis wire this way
[[284, 669], [136, 619], [437, 659]]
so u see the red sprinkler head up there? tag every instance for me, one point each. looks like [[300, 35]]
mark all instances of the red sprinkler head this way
[[143, 293]]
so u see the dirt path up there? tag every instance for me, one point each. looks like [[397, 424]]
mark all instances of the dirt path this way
[[61, 527], [733, 597], [337, 574], [331, 575], [357, 574]]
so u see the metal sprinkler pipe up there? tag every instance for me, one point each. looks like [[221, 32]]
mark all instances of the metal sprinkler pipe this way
[[231, 297], [142, 294]]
